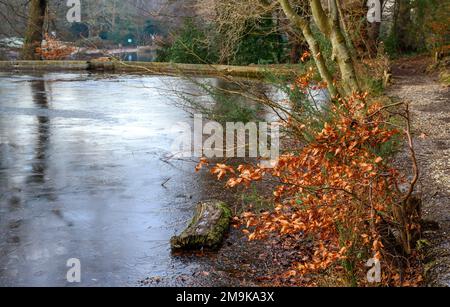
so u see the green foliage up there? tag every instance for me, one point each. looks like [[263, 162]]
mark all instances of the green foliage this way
[[163, 51], [426, 29], [395, 46], [233, 110], [226, 107], [303, 109], [191, 45], [229, 107], [422, 243], [252, 199], [373, 85], [261, 44], [103, 35], [349, 264], [389, 148], [124, 30], [391, 44]]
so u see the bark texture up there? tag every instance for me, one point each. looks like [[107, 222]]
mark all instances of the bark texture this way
[[207, 229], [330, 25], [302, 24], [34, 33]]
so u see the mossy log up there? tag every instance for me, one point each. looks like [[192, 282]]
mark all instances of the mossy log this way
[[207, 228]]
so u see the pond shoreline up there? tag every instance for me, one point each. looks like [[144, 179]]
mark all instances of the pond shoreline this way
[[86, 173], [152, 68]]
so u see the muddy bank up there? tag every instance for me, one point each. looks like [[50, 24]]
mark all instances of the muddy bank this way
[[430, 106], [238, 262]]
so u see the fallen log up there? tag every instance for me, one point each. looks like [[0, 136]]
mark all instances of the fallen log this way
[[207, 228], [154, 68]]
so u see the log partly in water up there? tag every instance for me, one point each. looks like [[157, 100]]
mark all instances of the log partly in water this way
[[207, 228]]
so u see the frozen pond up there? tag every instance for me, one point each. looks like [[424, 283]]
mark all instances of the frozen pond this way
[[83, 175]]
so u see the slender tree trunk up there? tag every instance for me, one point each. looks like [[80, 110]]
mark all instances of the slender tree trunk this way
[[404, 24], [330, 25], [301, 24], [113, 18], [294, 55], [321, 62], [35, 28], [373, 32], [345, 28], [344, 60]]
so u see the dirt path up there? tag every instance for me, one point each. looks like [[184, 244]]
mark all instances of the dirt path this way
[[430, 105]]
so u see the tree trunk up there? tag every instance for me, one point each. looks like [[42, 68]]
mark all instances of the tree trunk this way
[[321, 62], [373, 32], [330, 25], [35, 27], [113, 17], [344, 60], [345, 28], [404, 26], [301, 24], [294, 55]]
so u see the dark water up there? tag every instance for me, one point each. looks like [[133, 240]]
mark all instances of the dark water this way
[[140, 57], [82, 175]]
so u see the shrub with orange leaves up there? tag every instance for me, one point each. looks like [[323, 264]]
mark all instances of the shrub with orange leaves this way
[[337, 188], [53, 49]]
